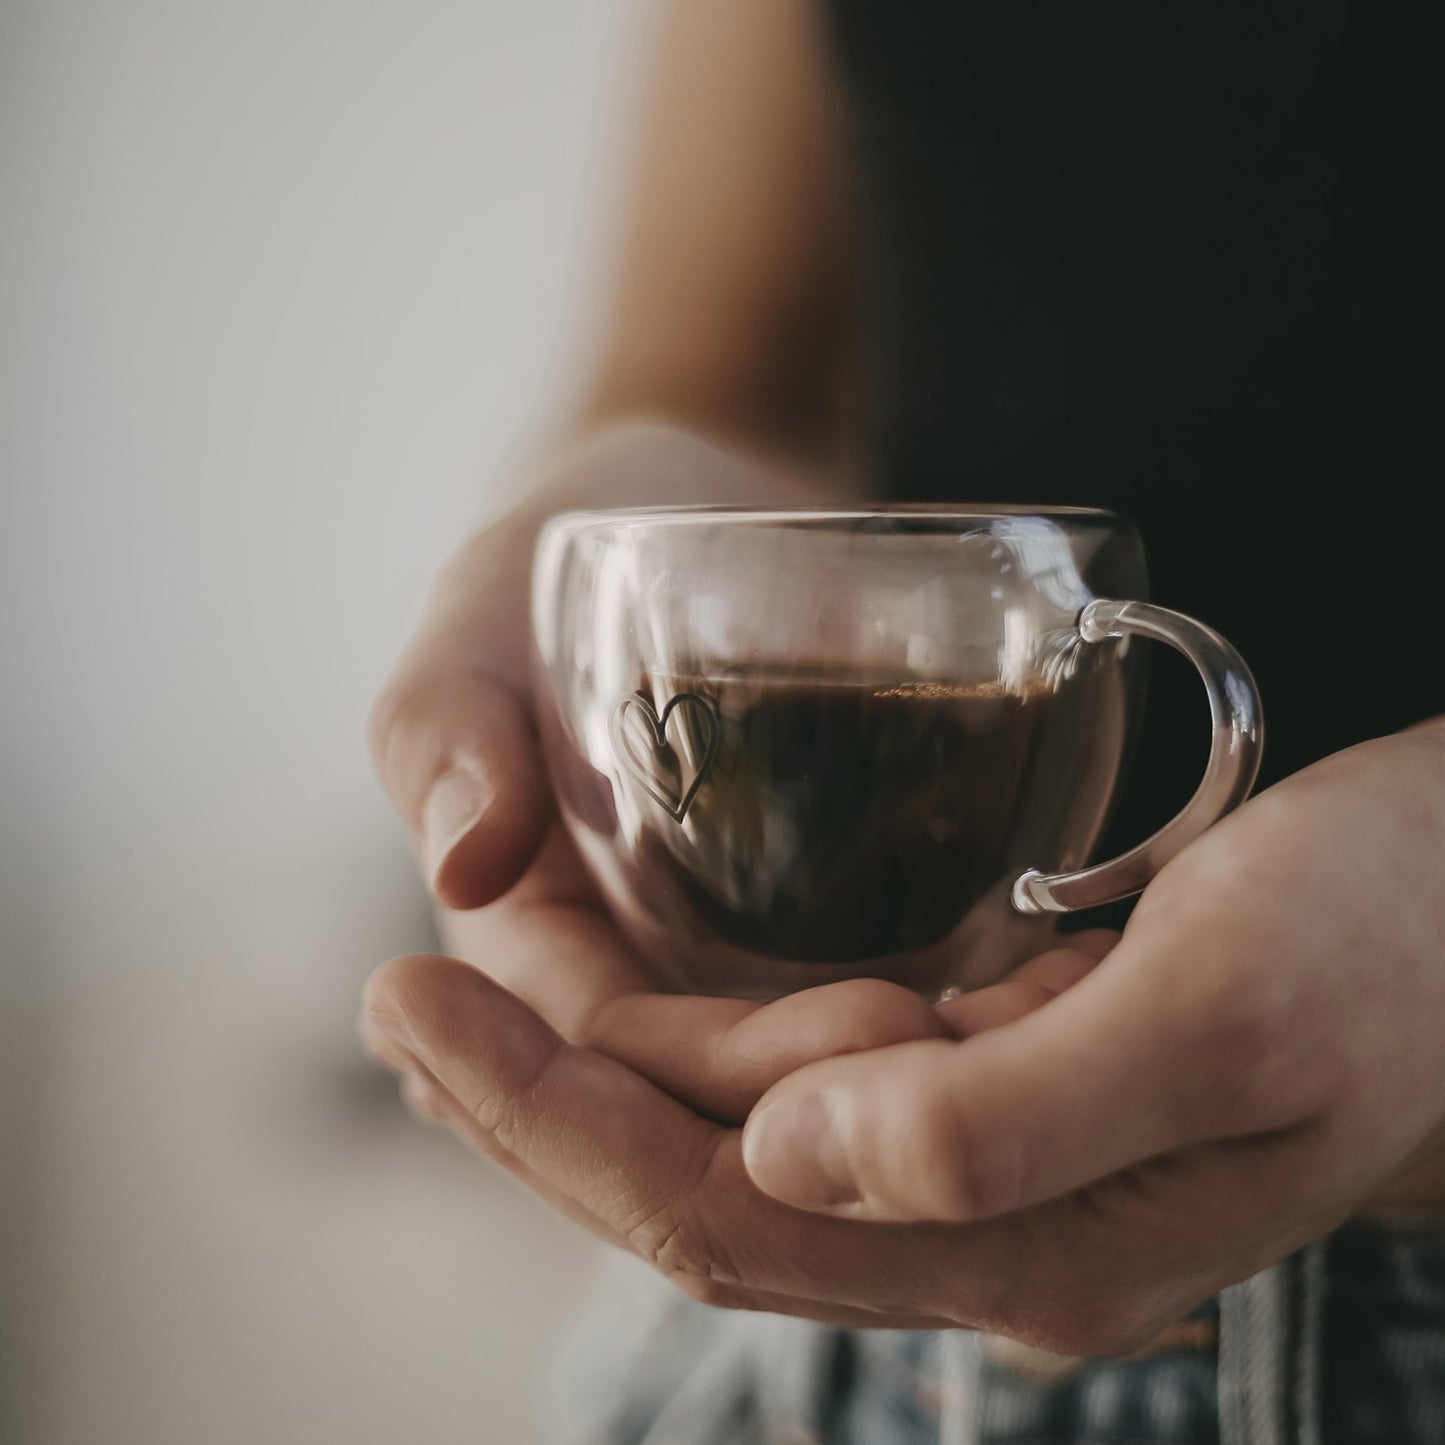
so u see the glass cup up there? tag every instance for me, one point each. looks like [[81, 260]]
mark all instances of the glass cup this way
[[801, 746]]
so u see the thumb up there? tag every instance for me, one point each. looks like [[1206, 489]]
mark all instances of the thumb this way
[[938, 1130], [452, 734]]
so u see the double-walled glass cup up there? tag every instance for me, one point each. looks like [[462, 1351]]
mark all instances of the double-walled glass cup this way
[[800, 746]]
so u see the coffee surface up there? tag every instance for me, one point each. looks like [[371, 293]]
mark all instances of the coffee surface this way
[[823, 820]]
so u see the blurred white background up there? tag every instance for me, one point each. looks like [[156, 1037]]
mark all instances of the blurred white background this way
[[286, 287]]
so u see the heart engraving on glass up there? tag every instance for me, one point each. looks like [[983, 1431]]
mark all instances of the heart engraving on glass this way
[[654, 762]]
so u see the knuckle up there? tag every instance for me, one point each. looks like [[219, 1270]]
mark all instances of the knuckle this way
[[1267, 1063], [670, 1241], [1303, 1079], [496, 1118], [1243, 1044], [1235, 1028], [507, 1111], [674, 1239], [881, 1013]]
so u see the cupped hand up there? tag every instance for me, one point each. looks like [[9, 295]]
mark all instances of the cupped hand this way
[[1259, 1055], [1076, 1156], [647, 1153], [455, 744], [618, 1104], [1254, 1059]]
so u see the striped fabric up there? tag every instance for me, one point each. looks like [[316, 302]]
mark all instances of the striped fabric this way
[[1341, 1344]]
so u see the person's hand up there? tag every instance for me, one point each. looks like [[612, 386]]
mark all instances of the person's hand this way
[[455, 745], [1257, 1055], [539, 1077], [1260, 1053], [617, 1149]]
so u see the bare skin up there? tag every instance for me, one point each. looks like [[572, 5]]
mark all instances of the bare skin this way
[[1073, 1157]]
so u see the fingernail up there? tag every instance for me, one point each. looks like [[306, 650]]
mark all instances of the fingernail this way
[[794, 1151], [453, 808]]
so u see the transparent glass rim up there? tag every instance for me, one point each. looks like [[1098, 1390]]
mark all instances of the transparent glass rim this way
[[693, 514]]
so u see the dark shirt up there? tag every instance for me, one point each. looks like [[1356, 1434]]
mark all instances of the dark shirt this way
[[1176, 259]]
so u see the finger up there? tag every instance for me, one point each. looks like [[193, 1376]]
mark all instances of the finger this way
[[1096, 942], [551, 942], [584, 1126], [426, 1096], [452, 735], [589, 1131], [720, 1056], [1110, 1073], [1095, 1272], [1027, 988], [423, 1090], [1134, 1207]]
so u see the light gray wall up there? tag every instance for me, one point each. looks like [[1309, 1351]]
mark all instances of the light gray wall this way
[[285, 286]]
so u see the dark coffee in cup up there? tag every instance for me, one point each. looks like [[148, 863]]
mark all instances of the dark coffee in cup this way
[[822, 820]]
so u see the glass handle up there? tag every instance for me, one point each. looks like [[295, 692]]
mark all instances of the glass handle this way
[[1229, 775]]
